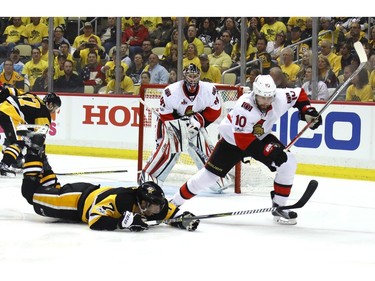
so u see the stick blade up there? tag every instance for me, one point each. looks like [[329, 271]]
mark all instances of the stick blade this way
[[310, 189], [360, 52]]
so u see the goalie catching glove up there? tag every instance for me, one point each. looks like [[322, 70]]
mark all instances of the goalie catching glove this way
[[186, 223], [309, 115], [133, 222], [196, 122]]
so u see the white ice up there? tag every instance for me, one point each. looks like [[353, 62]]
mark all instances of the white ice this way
[[333, 240]]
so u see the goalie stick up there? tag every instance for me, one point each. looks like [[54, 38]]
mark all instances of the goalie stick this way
[[311, 187], [363, 60], [90, 172]]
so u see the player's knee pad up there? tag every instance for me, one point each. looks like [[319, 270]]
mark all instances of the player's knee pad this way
[[202, 176]]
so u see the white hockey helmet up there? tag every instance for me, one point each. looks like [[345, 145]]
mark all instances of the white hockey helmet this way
[[264, 86], [191, 75]]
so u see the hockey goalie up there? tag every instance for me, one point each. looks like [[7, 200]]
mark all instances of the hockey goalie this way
[[187, 107]]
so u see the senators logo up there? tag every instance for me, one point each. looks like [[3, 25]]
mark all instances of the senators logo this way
[[258, 129]]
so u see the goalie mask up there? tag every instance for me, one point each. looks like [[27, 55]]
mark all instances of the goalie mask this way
[[154, 197], [191, 76], [264, 91]]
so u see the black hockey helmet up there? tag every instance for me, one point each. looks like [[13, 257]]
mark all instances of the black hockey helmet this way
[[152, 193], [53, 98]]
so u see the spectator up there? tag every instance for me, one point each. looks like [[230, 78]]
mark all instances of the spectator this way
[[151, 23], [11, 78], [162, 34], [322, 90], [134, 36], [126, 84], [87, 34], [209, 73], [58, 38], [334, 60], [159, 75], [254, 30], [236, 51], [170, 61], [372, 37], [12, 37], [262, 55], [41, 83], [18, 65], [192, 38], [191, 56], [65, 50], [109, 67], [44, 49], [251, 78], [289, 68], [145, 77], [135, 70], [35, 67], [348, 71], [355, 34], [146, 49], [81, 53], [271, 27], [307, 32], [295, 38], [306, 61], [279, 77], [58, 66], [173, 76], [207, 32], [275, 47], [345, 55], [219, 58], [360, 90], [69, 82], [34, 32], [325, 72], [226, 38], [372, 73], [124, 52], [108, 34], [174, 41], [92, 73], [230, 25]]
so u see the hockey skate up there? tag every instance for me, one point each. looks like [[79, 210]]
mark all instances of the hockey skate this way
[[6, 171], [287, 217]]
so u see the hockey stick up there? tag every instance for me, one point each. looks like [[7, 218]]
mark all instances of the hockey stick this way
[[363, 60], [92, 172], [311, 187]]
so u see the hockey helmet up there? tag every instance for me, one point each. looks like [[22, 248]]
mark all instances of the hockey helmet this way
[[191, 76], [52, 98], [264, 86], [151, 193]]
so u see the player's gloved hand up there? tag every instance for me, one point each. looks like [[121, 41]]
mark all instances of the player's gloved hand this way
[[309, 115], [133, 222], [34, 141], [185, 223], [196, 122], [275, 153]]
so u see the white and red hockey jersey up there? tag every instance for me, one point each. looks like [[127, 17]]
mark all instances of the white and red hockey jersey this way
[[245, 121], [176, 102]]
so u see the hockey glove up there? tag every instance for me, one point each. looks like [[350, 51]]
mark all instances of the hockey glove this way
[[275, 153], [310, 116], [188, 224], [133, 222], [196, 122], [34, 141]]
